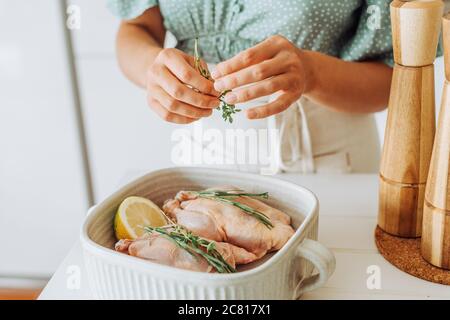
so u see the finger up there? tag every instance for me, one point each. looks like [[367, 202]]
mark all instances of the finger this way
[[282, 103], [183, 69], [181, 92], [252, 74], [262, 51], [259, 89], [168, 116], [178, 107]]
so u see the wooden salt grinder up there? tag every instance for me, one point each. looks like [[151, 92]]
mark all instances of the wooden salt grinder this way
[[436, 212], [411, 117]]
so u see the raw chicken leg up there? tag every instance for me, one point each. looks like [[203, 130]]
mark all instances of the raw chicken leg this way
[[159, 249], [220, 221]]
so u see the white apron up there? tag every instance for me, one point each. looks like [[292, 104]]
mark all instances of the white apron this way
[[309, 139]]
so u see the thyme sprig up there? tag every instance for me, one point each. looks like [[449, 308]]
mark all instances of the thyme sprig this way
[[198, 64], [194, 245], [228, 110], [228, 196]]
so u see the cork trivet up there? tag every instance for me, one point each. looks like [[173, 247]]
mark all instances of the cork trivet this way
[[404, 253]]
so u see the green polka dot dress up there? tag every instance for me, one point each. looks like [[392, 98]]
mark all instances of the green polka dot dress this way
[[353, 30]]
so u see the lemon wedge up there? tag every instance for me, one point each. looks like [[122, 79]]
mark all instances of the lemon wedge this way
[[134, 214]]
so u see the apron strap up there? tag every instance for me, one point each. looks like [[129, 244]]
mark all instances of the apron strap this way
[[307, 157], [294, 150]]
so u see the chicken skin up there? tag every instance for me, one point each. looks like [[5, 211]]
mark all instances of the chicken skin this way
[[223, 222], [159, 249]]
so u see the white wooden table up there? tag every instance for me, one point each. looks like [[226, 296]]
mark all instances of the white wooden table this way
[[348, 209]]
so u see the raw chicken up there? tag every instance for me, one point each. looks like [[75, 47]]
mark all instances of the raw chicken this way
[[224, 222], [159, 249]]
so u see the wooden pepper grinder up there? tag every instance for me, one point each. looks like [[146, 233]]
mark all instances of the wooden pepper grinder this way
[[411, 116], [436, 212]]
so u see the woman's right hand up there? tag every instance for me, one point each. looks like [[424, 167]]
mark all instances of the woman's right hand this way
[[170, 80]]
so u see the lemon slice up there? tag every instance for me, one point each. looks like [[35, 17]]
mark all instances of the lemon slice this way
[[134, 214]]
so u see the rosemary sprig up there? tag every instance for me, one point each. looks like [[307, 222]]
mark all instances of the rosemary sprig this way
[[255, 213], [194, 245], [228, 110], [232, 193], [227, 197]]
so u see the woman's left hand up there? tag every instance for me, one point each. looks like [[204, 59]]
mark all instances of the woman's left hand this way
[[273, 66]]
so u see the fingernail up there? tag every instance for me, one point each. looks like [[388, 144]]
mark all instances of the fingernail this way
[[230, 98], [218, 85], [215, 74]]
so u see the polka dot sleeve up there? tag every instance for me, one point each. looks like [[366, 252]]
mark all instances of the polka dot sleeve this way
[[372, 39], [129, 9]]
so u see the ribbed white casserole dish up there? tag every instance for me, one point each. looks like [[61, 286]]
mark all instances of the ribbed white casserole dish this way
[[284, 275]]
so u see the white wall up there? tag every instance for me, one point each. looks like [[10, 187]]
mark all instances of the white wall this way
[[42, 184], [124, 136]]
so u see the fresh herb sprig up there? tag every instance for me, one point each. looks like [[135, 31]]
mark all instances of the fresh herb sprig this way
[[231, 193], [194, 245], [228, 110], [228, 196], [198, 64]]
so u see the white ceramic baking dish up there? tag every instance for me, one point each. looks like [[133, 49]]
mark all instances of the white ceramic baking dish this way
[[285, 274]]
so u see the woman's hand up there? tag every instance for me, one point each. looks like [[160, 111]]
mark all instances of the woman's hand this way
[[273, 66], [170, 80]]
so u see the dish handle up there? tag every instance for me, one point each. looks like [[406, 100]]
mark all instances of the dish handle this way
[[322, 259]]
